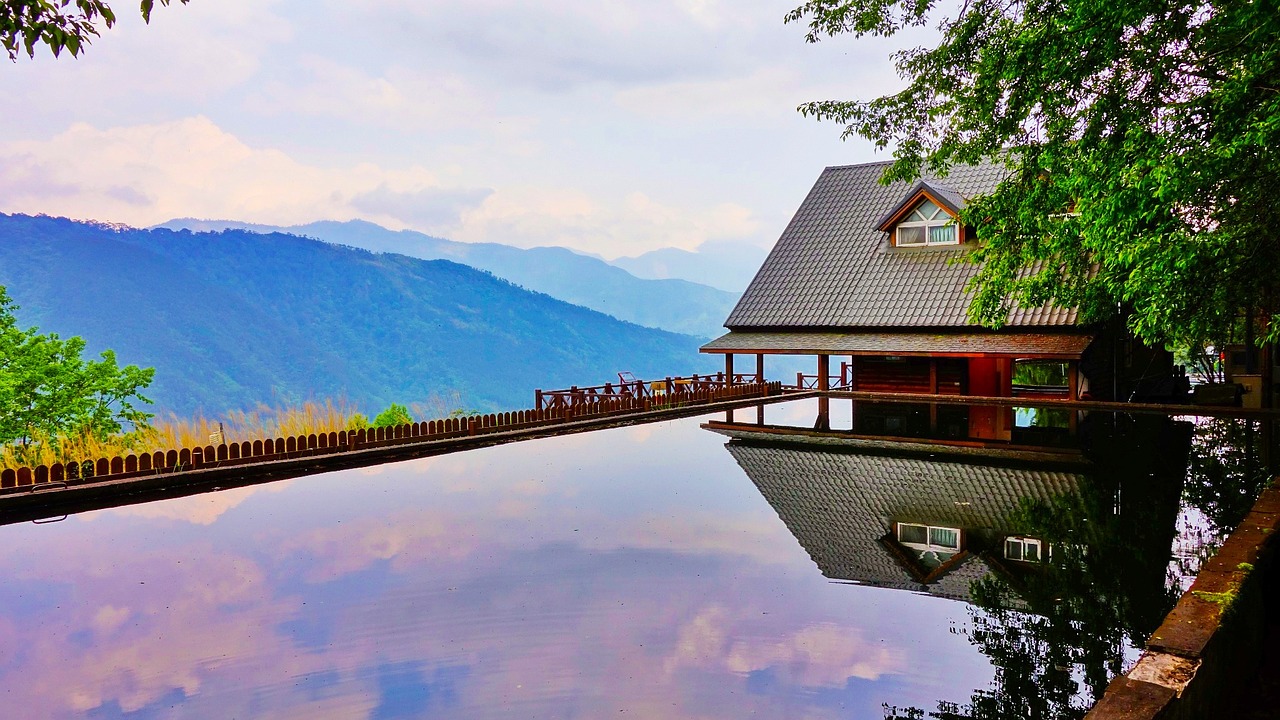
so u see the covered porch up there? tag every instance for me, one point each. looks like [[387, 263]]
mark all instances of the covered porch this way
[[964, 364]]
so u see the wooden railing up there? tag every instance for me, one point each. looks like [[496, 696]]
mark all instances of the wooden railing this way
[[810, 382], [666, 390], [271, 449]]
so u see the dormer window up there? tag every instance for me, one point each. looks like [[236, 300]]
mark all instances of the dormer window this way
[[926, 216], [927, 224]]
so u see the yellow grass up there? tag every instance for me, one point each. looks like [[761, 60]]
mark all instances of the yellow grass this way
[[172, 433]]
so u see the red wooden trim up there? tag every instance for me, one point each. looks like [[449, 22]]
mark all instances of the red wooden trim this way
[[910, 205]]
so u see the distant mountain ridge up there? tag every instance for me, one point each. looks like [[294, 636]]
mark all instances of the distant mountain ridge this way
[[724, 265], [235, 318], [669, 304]]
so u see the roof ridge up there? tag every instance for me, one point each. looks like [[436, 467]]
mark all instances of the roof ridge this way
[[859, 165]]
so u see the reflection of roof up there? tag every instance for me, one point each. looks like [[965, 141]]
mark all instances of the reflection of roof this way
[[832, 268], [1044, 345], [839, 506]]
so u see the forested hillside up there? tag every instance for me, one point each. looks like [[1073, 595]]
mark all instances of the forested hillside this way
[[235, 318], [670, 304]]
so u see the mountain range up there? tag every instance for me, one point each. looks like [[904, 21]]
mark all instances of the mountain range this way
[[230, 319], [668, 303], [728, 266]]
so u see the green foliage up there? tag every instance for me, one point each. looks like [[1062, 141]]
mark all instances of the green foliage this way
[[358, 421], [1046, 374], [394, 415], [1140, 137], [47, 389], [59, 24]]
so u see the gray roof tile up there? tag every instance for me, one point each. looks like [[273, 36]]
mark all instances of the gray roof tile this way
[[832, 269], [839, 505]]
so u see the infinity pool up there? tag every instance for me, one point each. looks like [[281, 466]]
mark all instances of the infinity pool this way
[[667, 570]]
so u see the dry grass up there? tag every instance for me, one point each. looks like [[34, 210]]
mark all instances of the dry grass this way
[[172, 432]]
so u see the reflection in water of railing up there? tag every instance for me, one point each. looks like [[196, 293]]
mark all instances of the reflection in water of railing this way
[[1057, 630]]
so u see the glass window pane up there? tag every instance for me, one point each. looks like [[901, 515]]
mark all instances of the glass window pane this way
[[927, 209], [942, 235], [1031, 552], [944, 537], [915, 216], [912, 534], [910, 235], [1013, 549]]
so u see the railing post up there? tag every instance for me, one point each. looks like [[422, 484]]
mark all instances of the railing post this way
[[537, 398]]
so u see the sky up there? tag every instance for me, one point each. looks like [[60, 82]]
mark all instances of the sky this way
[[611, 127]]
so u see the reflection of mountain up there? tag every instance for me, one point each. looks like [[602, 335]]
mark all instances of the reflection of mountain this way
[[844, 508]]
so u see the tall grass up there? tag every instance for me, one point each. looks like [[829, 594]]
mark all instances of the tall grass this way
[[173, 432]]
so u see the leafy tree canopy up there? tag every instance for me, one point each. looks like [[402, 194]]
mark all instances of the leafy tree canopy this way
[[61, 24], [47, 389], [1141, 137], [394, 415]]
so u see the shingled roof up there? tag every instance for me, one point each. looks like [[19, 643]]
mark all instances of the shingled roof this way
[[839, 505], [832, 269]]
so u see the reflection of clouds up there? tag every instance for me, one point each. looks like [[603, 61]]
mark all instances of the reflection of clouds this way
[[817, 655], [513, 598], [820, 655], [708, 533], [407, 537], [136, 647], [202, 509]]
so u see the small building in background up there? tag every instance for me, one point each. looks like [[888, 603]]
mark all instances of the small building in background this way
[[875, 277]]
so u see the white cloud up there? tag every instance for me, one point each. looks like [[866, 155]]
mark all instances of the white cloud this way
[[146, 174]]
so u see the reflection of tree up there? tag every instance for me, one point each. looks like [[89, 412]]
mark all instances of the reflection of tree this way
[[1225, 470], [1057, 633]]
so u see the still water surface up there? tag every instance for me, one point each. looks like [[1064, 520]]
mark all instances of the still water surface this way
[[665, 570]]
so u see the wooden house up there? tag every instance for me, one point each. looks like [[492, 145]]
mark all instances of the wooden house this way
[[874, 276]]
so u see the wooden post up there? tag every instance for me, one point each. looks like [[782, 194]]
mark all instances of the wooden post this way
[[853, 372], [933, 376], [824, 372], [1073, 380], [759, 367], [728, 368], [537, 399]]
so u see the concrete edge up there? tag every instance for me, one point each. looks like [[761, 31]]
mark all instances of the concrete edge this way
[[1190, 658]]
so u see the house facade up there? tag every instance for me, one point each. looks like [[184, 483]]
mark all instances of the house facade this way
[[870, 280]]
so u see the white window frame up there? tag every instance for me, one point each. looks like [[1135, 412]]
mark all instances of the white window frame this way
[[928, 534], [937, 220], [1025, 542]]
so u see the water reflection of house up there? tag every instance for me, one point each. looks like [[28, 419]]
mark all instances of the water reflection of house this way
[[908, 522], [874, 274]]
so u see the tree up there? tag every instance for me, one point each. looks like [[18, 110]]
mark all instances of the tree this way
[[47, 389], [394, 415], [60, 24], [1141, 139]]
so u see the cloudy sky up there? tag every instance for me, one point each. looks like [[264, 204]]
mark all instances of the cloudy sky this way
[[610, 126]]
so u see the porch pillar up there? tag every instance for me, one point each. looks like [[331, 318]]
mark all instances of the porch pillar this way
[[1073, 380], [824, 372], [759, 367], [933, 376], [728, 368]]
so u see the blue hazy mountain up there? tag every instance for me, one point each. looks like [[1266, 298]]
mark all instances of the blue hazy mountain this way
[[670, 304], [234, 318], [727, 266]]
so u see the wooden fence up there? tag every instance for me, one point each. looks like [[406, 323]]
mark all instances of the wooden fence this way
[[664, 391], [270, 449]]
